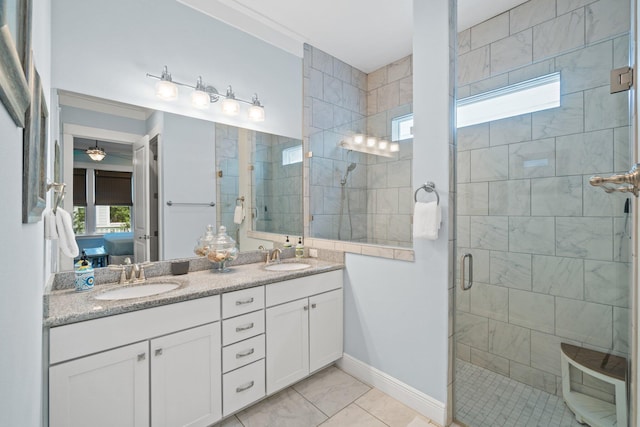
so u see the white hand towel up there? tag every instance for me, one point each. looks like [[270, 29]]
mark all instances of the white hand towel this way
[[238, 215], [426, 220], [67, 238], [50, 231]]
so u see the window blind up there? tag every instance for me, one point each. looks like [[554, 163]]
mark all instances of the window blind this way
[[79, 187], [113, 188]]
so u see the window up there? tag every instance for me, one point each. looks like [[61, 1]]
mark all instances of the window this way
[[402, 128], [532, 95], [102, 201], [292, 155], [541, 93]]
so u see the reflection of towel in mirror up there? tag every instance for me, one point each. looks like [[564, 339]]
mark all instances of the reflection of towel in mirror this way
[[50, 231], [426, 220], [66, 237], [238, 215]]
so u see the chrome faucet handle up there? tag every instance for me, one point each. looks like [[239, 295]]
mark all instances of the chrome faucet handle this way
[[275, 255]]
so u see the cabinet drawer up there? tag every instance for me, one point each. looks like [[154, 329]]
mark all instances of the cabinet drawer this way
[[242, 387], [244, 301], [242, 327], [291, 290], [242, 353]]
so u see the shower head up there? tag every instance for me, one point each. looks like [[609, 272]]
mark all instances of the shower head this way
[[350, 168]]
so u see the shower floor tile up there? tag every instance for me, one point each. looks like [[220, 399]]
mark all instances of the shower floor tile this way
[[486, 399]]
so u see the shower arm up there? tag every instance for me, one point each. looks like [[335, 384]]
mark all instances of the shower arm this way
[[630, 181]]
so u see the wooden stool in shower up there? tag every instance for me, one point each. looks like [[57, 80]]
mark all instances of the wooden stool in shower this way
[[606, 367]]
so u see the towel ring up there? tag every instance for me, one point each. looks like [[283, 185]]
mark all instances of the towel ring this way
[[429, 187]]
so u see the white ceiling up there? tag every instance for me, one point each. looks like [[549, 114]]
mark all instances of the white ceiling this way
[[366, 34]]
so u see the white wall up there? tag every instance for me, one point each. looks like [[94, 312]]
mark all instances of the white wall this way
[[23, 264], [188, 175], [105, 49], [396, 312]]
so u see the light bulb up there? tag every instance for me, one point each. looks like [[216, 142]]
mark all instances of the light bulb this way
[[256, 113], [230, 106], [383, 144], [358, 138], [200, 99], [167, 90], [394, 147], [371, 141]]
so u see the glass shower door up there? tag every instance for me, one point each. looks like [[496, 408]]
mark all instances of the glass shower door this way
[[551, 253]]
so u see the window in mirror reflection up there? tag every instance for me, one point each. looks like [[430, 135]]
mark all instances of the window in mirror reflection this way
[[107, 209], [292, 155]]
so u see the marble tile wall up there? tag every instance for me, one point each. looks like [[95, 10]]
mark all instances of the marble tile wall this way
[[374, 205], [550, 252], [279, 192], [227, 186]]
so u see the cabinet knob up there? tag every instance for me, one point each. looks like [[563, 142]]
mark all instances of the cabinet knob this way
[[306, 307], [142, 356], [158, 352], [313, 306]]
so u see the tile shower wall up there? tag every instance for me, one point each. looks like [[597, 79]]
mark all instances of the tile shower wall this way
[[277, 187], [228, 184], [374, 205], [551, 252]]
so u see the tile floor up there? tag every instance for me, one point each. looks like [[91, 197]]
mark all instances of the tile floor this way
[[329, 398], [487, 399]]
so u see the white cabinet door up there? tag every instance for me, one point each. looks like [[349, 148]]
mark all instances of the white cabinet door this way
[[325, 329], [186, 378], [107, 389], [287, 344]]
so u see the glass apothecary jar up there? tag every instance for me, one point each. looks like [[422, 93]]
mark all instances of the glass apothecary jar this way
[[218, 248]]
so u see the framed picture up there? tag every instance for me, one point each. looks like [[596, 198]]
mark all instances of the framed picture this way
[[15, 49], [34, 169]]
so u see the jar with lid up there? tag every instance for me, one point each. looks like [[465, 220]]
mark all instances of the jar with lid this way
[[220, 248]]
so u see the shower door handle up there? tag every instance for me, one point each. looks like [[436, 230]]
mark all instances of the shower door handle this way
[[463, 286]]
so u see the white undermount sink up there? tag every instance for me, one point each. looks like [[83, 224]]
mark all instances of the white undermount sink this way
[[291, 266], [139, 291]]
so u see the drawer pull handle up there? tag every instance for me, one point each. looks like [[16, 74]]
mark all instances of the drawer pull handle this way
[[158, 352], [244, 353], [242, 388], [142, 356], [244, 327], [244, 301]]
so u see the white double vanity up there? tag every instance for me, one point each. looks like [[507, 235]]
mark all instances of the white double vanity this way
[[191, 356]]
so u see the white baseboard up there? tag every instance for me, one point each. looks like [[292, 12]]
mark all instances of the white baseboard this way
[[415, 399]]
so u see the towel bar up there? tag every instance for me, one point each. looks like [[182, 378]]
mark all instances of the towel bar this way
[[170, 203], [429, 187]]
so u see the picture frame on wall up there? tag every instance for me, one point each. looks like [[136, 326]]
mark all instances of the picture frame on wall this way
[[34, 169], [15, 48]]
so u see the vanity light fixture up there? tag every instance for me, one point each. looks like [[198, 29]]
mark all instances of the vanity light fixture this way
[[369, 145], [166, 88], [230, 104], [256, 111], [203, 95], [199, 96], [96, 153]]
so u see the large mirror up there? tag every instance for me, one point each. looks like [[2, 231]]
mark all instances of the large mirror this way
[[360, 133], [164, 177]]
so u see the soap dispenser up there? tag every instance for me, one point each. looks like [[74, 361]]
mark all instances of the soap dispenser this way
[[299, 248], [84, 274], [287, 243]]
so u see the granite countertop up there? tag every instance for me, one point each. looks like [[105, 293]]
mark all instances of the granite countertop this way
[[66, 306]]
